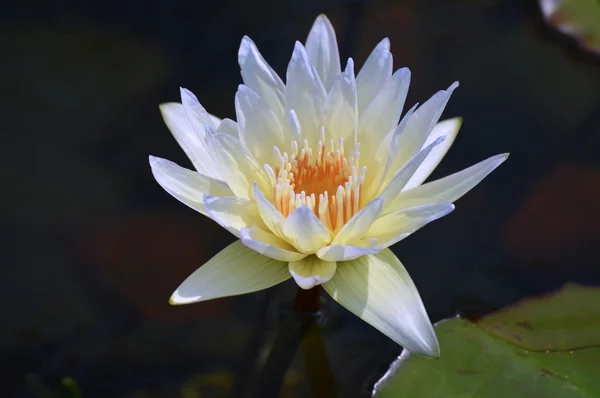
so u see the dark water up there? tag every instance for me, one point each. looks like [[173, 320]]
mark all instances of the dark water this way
[[93, 247]]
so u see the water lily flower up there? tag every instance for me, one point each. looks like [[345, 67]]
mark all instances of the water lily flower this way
[[318, 178]]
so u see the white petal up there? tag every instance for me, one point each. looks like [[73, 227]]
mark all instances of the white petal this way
[[216, 121], [228, 126], [378, 289], [403, 176], [322, 49], [233, 271], [383, 114], [272, 218], [345, 252], [232, 213], [311, 271], [305, 94], [447, 189], [193, 144], [185, 185], [261, 78], [267, 244], [305, 231], [195, 112], [374, 74], [395, 226], [341, 116], [418, 128], [356, 227], [259, 127], [447, 128]]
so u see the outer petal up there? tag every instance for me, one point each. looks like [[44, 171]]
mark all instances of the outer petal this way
[[312, 271], [305, 94], [269, 245], [396, 226], [378, 289], [259, 127], [305, 231], [192, 144], [261, 78], [232, 213], [374, 74], [322, 49], [341, 116], [195, 112], [418, 128], [234, 270], [447, 128], [447, 189], [228, 126], [356, 227], [185, 185], [345, 252]]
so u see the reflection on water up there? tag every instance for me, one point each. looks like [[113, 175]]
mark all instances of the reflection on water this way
[[96, 247]]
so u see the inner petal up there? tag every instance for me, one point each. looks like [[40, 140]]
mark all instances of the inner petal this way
[[325, 180]]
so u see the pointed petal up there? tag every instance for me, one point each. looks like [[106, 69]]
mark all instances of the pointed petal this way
[[345, 252], [395, 226], [311, 271], [419, 127], [185, 185], [267, 244], [272, 218], [305, 231], [447, 128], [195, 112], [341, 116], [322, 49], [378, 289], [305, 94], [261, 78], [228, 126], [399, 181], [374, 74], [356, 227], [259, 127], [192, 144], [233, 271], [447, 189], [383, 114], [232, 213]]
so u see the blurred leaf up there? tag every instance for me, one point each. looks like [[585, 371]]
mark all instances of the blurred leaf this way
[[566, 320], [477, 364]]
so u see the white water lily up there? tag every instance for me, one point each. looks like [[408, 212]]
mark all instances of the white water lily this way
[[317, 178]]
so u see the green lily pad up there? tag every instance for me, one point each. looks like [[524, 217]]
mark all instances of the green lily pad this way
[[566, 320], [475, 363]]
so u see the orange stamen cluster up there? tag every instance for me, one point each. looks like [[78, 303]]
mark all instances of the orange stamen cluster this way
[[303, 178]]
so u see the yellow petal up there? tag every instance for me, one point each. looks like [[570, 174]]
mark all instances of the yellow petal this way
[[356, 227], [267, 244], [311, 271], [345, 252], [232, 213], [305, 231]]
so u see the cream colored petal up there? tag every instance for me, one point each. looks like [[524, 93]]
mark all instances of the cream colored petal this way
[[192, 144], [322, 49], [233, 271], [345, 252], [418, 127], [383, 114], [259, 127], [261, 78], [294, 126], [311, 271], [447, 128], [447, 189], [304, 231], [185, 185], [378, 289], [305, 94], [238, 167], [272, 218], [267, 244], [341, 117], [395, 226], [228, 126], [403, 176], [195, 112], [232, 213], [356, 227], [374, 74]]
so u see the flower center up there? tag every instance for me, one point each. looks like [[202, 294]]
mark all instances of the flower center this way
[[327, 182]]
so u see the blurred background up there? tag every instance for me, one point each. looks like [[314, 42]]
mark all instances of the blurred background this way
[[94, 246]]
